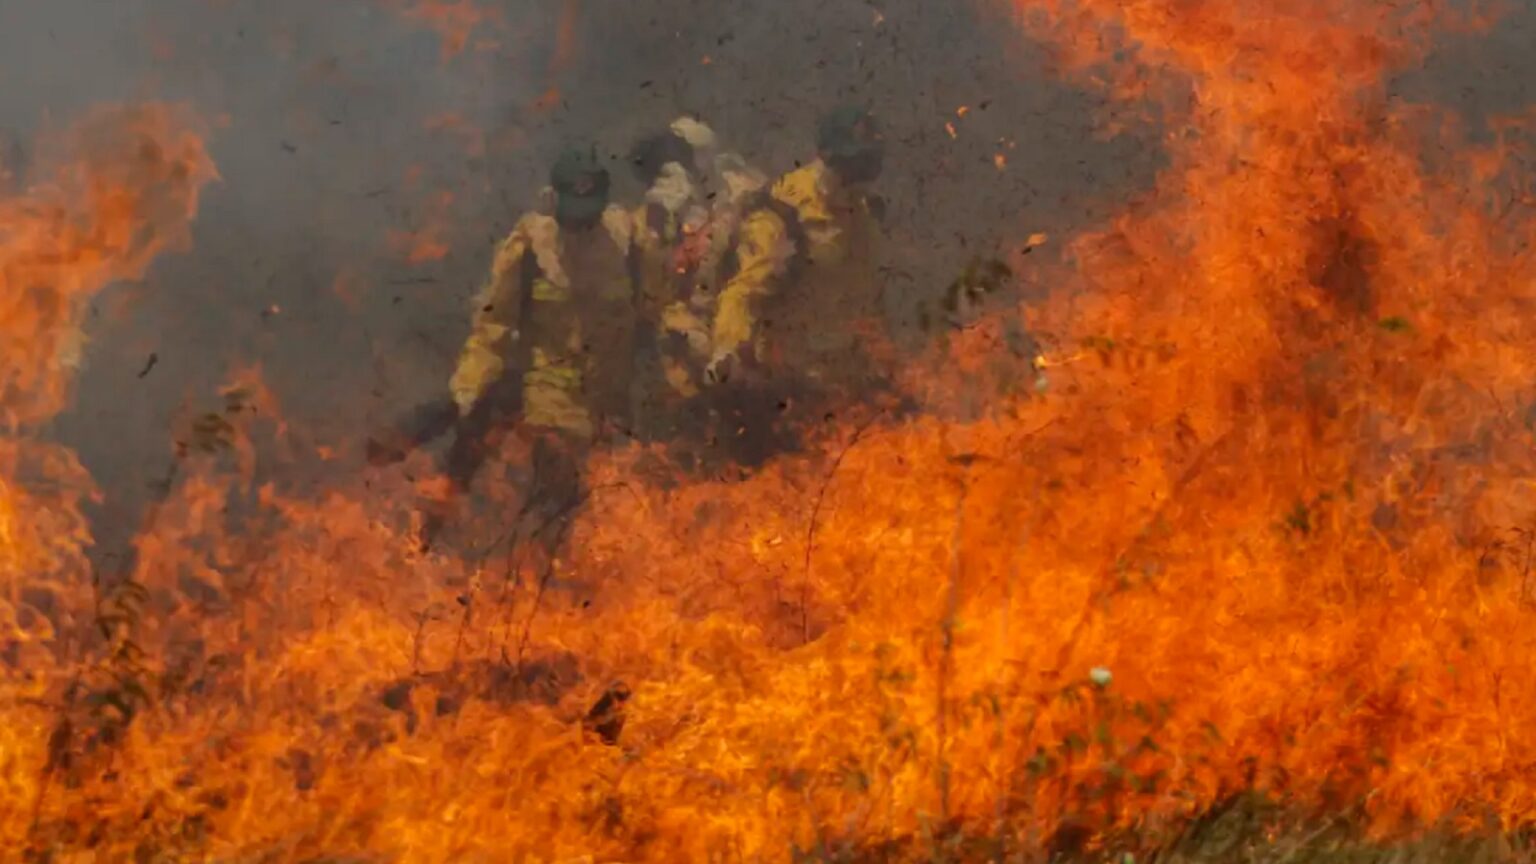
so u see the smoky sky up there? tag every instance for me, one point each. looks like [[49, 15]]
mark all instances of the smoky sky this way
[[340, 127]]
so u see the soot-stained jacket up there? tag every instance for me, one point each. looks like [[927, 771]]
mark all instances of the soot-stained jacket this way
[[559, 309], [802, 274], [684, 237]]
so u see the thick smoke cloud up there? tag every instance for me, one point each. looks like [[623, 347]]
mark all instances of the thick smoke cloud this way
[[350, 134]]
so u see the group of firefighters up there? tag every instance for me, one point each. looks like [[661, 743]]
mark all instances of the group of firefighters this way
[[600, 323]]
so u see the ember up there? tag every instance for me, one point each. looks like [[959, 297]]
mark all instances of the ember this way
[[1235, 524]]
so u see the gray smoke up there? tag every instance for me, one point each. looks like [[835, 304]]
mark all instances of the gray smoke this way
[[321, 113]]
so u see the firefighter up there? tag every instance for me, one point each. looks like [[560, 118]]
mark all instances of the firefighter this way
[[683, 232], [550, 346], [803, 272], [784, 331]]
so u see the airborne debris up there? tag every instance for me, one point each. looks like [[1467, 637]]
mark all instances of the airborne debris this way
[[278, 678], [966, 298], [606, 718]]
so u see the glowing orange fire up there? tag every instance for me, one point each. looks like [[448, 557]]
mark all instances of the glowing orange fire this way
[[454, 21], [88, 223], [425, 244], [1257, 515], [126, 195]]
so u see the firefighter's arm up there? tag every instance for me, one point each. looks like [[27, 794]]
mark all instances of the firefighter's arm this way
[[494, 324], [763, 249]]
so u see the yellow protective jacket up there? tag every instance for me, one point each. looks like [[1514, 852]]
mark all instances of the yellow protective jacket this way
[[662, 236], [802, 274], [684, 234], [559, 309]]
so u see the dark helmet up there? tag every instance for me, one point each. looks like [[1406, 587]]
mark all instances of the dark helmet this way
[[850, 141], [581, 187]]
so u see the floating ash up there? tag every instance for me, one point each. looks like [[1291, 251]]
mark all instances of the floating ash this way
[[1266, 534]]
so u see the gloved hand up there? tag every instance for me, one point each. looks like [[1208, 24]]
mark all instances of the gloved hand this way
[[721, 368]]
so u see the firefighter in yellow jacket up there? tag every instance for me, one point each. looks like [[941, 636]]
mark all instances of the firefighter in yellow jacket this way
[[695, 195], [803, 269], [551, 342]]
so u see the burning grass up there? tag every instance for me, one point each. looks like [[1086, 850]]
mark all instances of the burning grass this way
[[1260, 525]]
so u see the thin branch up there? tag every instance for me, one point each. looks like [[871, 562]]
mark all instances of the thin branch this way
[[1099, 589], [511, 537], [810, 530], [63, 730], [538, 597], [947, 627], [58, 744], [563, 516]]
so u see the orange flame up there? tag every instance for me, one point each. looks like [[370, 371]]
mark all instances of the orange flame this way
[[1261, 520], [128, 195], [454, 21], [84, 225], [426, 244]]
